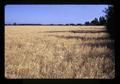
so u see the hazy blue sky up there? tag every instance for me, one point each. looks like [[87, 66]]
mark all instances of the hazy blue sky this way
[[46, 14]]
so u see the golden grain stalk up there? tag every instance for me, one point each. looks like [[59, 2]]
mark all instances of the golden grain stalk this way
[[58, 52]]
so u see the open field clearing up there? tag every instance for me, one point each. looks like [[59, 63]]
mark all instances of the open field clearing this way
[[58, 52]]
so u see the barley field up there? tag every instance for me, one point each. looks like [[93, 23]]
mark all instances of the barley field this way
[[58, 52]]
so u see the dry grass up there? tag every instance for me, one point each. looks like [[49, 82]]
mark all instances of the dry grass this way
[[36, 52]]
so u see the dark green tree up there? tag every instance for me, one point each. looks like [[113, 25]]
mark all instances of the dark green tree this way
[[108, 12], [87, 23], [102, 20], [95, 22], [110, 20], [14, 23]]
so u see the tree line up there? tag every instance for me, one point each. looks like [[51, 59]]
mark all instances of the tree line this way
[[101, 21]]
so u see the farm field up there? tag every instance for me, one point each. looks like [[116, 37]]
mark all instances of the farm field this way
[[52, 52]]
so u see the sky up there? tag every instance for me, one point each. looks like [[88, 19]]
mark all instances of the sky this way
[[52, 14]]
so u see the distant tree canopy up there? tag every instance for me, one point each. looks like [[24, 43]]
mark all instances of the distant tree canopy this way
[[87, 23], [102, 20], [14, 23], [97, 21], [78, 24]]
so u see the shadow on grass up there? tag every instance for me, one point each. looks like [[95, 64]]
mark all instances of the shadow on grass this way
[[77, 31], [80, 37], [109, 45]]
